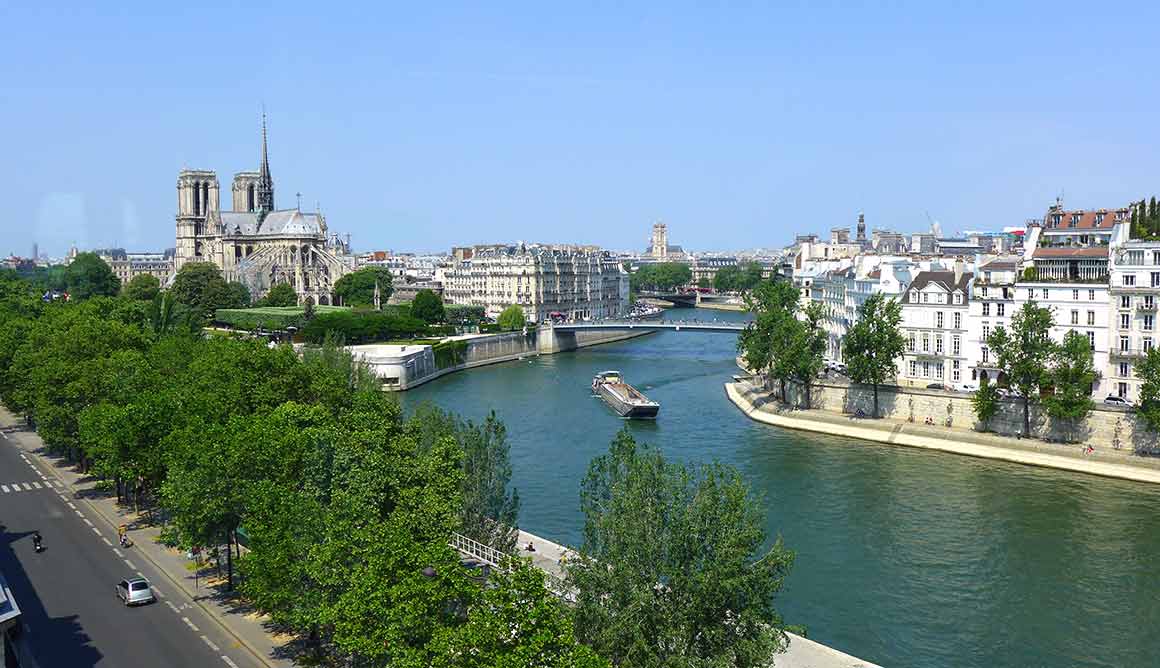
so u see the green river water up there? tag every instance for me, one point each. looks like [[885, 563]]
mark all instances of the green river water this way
[[904, 557]]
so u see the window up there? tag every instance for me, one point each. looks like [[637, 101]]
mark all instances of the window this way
[[1155, 279], [1129, 279], [914, 296], [926, 343], [956, 346], [1147, 343], [1135, 257], [1125, 321], [986, 331], [985, 287], [926, 369], [956, 374], [1148, 322], [1126, 301], [1075, 295], [1121, 390], [925, 298], [1091, 319], [1091, 295], [958, 320], [938, 319], [1149, 302], [1155, 257], [1030, 293], [910, 344], [938, 371], [1124, 369], [986, 309], [913, 369], [938, 345], [1075, 317], [986, 355], [1091, 340], [999, 310], [958, 298], [1124, 344]]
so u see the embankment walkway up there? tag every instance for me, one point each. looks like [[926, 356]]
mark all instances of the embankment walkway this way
[[758, 404]]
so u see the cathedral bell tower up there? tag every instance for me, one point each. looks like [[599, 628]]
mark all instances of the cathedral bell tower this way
[[197, 195]]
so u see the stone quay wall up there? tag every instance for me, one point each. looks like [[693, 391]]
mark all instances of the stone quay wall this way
[[1106, 427]]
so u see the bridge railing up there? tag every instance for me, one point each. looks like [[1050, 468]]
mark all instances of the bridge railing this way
[[500, 560]]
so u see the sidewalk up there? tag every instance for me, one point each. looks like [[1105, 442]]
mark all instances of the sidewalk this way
[[248, 629]]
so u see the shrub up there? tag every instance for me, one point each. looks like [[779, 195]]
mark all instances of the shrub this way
[[356, 327]]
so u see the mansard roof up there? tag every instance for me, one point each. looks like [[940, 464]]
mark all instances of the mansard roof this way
[[940, 280]]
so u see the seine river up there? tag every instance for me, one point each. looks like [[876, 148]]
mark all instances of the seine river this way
[[904, 557]]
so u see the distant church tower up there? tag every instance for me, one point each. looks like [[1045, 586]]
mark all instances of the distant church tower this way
[[264, 191], [660, 240], [861, 227]]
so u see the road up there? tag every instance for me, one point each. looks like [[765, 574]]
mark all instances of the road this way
[[72, 617]]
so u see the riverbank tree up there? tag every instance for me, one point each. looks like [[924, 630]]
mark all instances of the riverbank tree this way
[[765, 343], [985, 402], [660, 277], [511, 318], [874, 344], [1148, 370], [1023, 354], [673, 570], [1072, 374]]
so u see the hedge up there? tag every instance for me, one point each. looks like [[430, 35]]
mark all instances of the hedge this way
[[355, 327]]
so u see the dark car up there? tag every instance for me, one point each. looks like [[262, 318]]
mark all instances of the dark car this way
[[936, 386]]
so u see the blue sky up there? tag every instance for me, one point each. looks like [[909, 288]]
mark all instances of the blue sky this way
[[417, 128]]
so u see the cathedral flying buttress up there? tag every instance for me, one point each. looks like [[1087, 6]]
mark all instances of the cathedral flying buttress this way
[[256, 243]]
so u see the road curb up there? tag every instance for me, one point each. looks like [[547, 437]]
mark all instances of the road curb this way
[[213, 614]]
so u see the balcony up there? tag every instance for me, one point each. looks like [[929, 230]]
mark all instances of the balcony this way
[[1144, 306], [1127, 353]]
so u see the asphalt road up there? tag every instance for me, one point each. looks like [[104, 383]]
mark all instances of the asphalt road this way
[[72, 617]]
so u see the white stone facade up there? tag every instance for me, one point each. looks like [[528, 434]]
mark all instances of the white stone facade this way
[[575, 282]]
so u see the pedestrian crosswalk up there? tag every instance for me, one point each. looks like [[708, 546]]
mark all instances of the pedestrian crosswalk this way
[[32, 486]]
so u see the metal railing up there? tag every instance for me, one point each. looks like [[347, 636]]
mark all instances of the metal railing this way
[[498, 559]]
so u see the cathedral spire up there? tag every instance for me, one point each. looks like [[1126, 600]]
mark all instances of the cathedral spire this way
[[265, 190]]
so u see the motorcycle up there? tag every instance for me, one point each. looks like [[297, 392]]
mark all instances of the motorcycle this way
[[37, 543]]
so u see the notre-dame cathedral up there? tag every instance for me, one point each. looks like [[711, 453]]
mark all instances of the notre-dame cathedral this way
[[256, 243]]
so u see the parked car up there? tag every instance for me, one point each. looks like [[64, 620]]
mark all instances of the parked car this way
[[936, 386], [1113, 400], [135, 591], [963, 387]]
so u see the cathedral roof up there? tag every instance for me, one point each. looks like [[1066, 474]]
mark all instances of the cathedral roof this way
[[290, 222]]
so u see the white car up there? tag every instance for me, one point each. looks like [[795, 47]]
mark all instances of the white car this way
[[964, 387], [135, 591], [1113, 400]]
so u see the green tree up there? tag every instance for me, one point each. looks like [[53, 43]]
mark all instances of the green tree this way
[[1072, 374], [1029, 274], [358, 287], [874, 344], [1023, 353], [1148, 369], [672, 570], [802, 345], [985, 402], [661, 277], [142, 287], [237, 295], [280, 294], [514, 622], [727, 279], [511, 318], [750, 274], [764, 343], [704, 283], [89, 276], [427, 306], [200, 287]]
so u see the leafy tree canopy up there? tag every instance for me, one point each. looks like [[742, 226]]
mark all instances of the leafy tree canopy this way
[[427, 306], [142, 287], [358, 287], [874, 344], [89, 276], [1023, 353], [511, 318], [280, 294], [661, 277], [200, 286]]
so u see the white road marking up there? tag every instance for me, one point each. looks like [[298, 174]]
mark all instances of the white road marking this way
[[70, 505], [79, 513], [129, 564], [190, 624], [28, 487], [36, 484], [157, 592], [57, 483], [229, 663], [106, 541], [211, 645], [171, 606], [97, 531], [140, 574], [86, 520], [5, 488], [6, 438], [118, 552]]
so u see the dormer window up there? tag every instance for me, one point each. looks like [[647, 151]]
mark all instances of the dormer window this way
[[1056, 219], [1075, 219], [1100, 219], [958, 298]]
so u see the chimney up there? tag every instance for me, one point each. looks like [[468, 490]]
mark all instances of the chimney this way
[[958, 270]]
